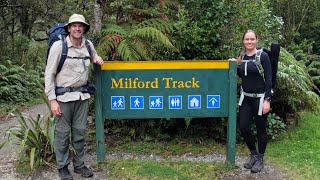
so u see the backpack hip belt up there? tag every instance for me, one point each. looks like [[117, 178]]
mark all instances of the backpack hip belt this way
[[253, 95], [62, 90]]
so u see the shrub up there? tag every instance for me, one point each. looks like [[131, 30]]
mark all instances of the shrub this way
[[18, 85], [276, 127]]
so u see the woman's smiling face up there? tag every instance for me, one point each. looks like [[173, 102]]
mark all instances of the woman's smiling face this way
[[250, 41]]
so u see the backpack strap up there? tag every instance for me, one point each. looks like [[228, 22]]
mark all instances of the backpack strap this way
[[64, 53], [258, 62], [88, 48]]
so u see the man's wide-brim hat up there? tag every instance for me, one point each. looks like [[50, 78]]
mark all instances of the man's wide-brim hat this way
[[77, 18]]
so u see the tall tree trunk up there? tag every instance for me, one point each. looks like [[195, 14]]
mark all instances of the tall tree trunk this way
[[97, 12], [25, 22]]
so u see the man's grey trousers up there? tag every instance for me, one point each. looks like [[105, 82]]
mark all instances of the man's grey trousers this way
[[73, 121]]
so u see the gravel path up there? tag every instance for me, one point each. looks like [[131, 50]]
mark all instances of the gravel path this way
[[8, 157]]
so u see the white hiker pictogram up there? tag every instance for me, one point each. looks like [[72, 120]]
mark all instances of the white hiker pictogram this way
[[115, 104], [136, 102], [152, 103], [158, 102], [120, 103]]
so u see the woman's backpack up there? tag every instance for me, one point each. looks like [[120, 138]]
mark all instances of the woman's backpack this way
[[273, 53]]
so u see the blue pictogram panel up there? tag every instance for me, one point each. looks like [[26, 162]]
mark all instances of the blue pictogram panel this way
[[156, 102], [194, 101], [175, 102], [213, 101], [136, 102], [117, 102]]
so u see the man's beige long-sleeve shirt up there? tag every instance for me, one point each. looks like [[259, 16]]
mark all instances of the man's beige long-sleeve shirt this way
[[74, 72]]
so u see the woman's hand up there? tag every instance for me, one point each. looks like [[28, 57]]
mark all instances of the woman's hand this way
[[266, 107], [232, 59]]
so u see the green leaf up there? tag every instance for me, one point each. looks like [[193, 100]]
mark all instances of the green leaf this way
[[32, 157], [51, 130]]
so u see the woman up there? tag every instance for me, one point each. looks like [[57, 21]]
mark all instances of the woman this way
[[255, 73]]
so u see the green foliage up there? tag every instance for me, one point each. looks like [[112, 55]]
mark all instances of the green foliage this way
[[276, 128], [35, 138], [195, 129], [133, 42], [294, 89], [302, 21], [255, 15], [201, 27], [140, 129], [214, 29], [17, 84], [313, 66]]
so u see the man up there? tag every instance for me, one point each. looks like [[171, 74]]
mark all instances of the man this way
[[68, 96]]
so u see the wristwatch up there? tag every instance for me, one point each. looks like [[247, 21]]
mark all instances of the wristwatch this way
[[268, 99]]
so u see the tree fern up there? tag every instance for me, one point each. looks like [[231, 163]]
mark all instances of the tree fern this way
[[17, 84], [314, 71], [157, 23], [153, 35], [113, 28], [294, 85], [2, 69], [134, 41], [126, 51], [142, 49]]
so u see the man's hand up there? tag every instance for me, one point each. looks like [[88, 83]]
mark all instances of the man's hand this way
[[98, 60], [55, 108]]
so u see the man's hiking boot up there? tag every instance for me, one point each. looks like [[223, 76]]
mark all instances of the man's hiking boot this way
[[84, 171], [251, 161], [64, 173], [258, 166]]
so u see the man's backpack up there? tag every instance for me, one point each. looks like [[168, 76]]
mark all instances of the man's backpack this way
[[58, 33]]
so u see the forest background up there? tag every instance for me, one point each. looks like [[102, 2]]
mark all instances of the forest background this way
[[139, 30]]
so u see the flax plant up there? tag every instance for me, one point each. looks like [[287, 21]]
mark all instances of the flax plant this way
[[35, 137]]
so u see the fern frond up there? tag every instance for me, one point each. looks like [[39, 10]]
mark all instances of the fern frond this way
[[153, 35], [2, 68], [314, 71], [126, 51], [4, 91], [14, 77], [314, 64], [114, 29], [4, 79], [141, 49], [159, 24], [295, 83]]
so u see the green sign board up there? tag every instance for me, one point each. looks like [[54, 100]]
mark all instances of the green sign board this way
[[166, 89]]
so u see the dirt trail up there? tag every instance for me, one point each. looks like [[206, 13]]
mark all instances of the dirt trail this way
[[8, 157]]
